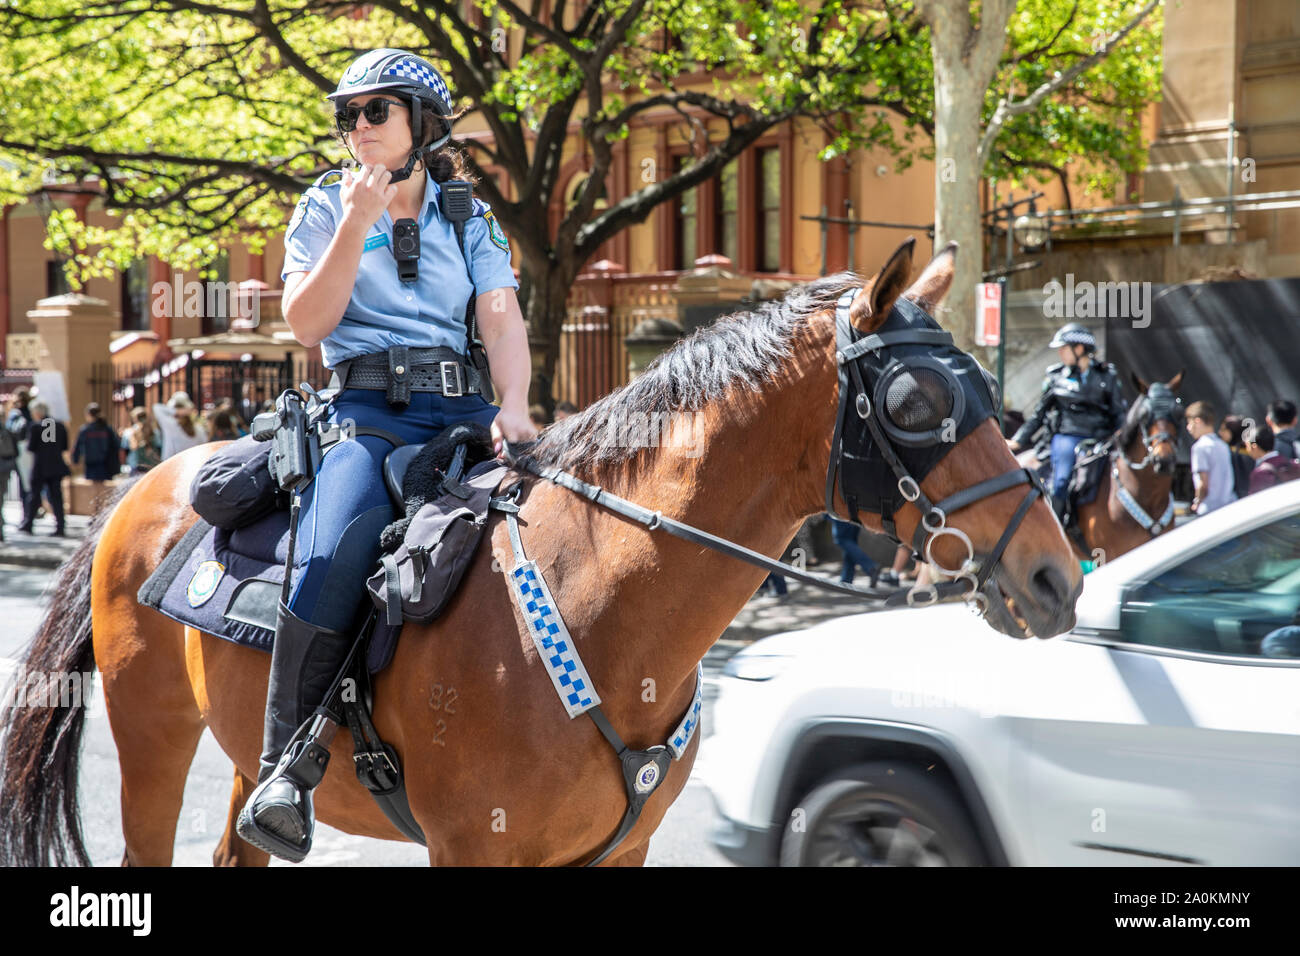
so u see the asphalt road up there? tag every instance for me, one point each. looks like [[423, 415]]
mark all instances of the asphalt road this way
[[680, 840]]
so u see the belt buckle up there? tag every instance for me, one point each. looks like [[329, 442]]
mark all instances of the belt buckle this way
[[454, 388]]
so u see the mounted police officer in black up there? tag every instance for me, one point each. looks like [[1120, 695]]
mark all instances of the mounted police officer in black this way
[[1081, 401]]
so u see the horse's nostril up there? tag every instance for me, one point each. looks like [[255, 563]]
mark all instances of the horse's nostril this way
[[1049, 586]]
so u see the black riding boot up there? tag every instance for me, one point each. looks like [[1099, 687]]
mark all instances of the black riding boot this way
[[1060, 505], [305, 659]]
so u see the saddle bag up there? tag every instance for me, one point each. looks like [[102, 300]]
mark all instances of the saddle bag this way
[[417, 581], [234, 487]]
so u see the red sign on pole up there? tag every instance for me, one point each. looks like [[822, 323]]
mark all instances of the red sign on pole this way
[[988, 313]]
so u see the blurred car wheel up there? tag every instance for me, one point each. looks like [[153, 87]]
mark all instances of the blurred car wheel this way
[[880, 814]]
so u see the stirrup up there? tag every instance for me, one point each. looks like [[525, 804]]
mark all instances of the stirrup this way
[[303, 766]]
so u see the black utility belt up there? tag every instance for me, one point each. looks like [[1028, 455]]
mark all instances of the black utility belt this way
[[401, 370]]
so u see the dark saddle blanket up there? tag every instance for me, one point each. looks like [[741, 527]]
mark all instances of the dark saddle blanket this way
[[1090, 463], [228, 583]]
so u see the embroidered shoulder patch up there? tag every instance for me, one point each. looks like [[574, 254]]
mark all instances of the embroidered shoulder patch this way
[[494, 231], [299, 211]]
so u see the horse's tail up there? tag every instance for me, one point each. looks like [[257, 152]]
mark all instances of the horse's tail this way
[[44, 717]]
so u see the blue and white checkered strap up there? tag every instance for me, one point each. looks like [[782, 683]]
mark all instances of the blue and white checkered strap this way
[[681, 737], [558, 653], [1137, 512], [549, 633]]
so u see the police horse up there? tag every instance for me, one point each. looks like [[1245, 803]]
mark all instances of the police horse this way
[[1121, 490], [832, 398]]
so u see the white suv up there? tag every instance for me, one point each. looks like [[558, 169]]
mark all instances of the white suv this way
[[1165, 728]]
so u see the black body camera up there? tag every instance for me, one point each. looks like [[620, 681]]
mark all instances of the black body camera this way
[[406, 249]]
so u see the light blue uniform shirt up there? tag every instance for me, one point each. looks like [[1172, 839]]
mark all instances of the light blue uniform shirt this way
[[383, 310]]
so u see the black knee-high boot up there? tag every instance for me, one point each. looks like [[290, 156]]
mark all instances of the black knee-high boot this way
[[305, 659]]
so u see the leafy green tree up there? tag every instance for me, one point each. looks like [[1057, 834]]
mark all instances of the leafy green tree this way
[[203, 121]]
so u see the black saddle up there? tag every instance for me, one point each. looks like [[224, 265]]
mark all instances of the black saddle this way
[[415, 474]]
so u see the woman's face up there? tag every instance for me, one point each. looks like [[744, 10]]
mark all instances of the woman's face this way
[[388, 143]]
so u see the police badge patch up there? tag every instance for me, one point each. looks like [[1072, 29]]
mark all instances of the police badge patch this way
[[204, 582], [494, 231]]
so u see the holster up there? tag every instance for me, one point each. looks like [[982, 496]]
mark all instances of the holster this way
[[399, 376]]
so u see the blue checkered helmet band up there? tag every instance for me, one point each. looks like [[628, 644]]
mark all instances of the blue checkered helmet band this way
[[413, 68], [397, 70], [1073, 334]]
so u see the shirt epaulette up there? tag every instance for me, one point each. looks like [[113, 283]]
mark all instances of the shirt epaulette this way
[[326, 180], [480, 207]]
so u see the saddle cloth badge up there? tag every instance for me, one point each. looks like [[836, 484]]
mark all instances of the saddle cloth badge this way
[[203, 583], [552, 639]]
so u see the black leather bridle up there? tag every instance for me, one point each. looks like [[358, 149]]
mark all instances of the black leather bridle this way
[[900, 333], [872, 453], [1159, 404]]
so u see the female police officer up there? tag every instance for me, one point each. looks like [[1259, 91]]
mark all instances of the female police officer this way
[[342, 289], [1081, 399]]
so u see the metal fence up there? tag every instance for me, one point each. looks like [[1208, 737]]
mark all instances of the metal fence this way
[[118, 389]]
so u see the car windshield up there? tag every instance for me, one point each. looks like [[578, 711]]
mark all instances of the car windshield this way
[[1240, 597], [1265, 560]]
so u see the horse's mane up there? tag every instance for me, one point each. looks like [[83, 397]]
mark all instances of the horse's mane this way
[[743, 348]]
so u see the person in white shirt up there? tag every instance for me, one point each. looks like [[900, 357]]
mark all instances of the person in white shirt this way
[[1211, 461], [179, 424]]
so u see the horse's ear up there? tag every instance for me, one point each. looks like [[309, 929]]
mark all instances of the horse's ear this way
[[933, 284], [877, 297], [1176, 381], [1140, 385]]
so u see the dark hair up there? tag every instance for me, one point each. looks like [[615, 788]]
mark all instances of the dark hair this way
[[1262, 436], [1233, 425], [1282, 411], [93, 409], [567, 407], [1204, 411]]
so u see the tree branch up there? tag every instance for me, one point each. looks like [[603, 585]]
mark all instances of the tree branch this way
[[282, 181], [1006, 108]]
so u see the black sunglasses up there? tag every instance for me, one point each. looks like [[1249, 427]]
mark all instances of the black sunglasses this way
[[376, 113]]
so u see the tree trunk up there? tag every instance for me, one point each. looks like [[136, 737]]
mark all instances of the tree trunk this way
[[965, 58], [544, 297], [956, 191]]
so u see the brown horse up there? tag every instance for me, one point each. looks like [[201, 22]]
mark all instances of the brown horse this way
[[1142, 463], [496, 772]]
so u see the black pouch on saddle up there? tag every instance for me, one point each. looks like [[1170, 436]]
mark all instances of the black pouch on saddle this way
[[234, 487], [417, 581]]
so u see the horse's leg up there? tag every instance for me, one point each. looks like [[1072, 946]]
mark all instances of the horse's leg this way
[[156, 724], [232, 851]]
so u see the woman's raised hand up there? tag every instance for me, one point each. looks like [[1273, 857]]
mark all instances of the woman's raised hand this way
[[366, 193]]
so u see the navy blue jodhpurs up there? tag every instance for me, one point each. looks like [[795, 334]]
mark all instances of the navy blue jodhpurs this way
[[347, 505]]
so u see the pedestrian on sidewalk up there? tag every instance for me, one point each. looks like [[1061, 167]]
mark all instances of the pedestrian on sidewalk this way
[[1271, 468], [142, 443], [47, 440], [8, 463], [845, 535], [179, 423], [98, 444], [17, 421]]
